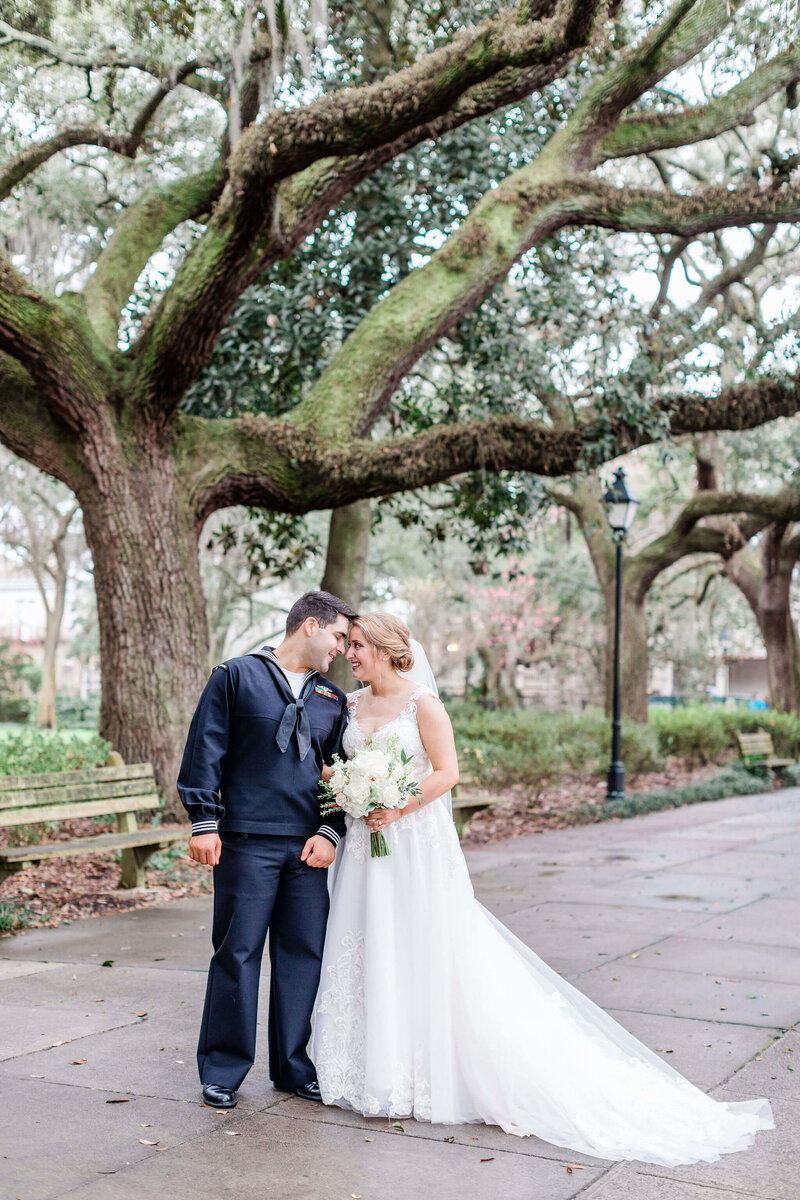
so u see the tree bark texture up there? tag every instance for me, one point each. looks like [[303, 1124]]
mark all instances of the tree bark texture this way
[[151, 613], [46, 705], [345, 568], [765, 582], [633, 652]]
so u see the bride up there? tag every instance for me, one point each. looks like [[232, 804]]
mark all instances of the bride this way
[[429, 1007]]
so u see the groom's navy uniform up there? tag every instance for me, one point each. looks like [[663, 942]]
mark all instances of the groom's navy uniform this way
[[251, 770]]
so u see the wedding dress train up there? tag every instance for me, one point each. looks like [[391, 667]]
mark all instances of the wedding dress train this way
[[428, 1006]]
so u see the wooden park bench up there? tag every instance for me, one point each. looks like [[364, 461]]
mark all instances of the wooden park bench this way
[[117, 790], [757, 750], [464, 808]]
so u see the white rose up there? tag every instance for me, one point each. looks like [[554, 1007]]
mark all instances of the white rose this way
[[357, 793], [389, 794], [371, 764]]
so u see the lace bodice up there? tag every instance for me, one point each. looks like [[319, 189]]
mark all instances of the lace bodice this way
[[404, 726]]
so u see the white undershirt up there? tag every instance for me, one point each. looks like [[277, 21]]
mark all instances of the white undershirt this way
[[296, 680]]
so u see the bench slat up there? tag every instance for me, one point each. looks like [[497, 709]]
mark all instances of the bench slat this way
[[93, 845], [12, 783], [755, 739], [90, 808], [70, 793]]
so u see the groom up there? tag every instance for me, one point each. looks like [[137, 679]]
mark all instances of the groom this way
[[249, 779]]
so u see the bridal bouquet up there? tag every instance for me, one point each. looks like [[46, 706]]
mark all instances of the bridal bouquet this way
[[377, 777]]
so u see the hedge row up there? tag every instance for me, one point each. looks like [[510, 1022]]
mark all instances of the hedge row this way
[[523, 746]]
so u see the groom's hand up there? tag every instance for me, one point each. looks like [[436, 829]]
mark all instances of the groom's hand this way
[[205, 848], [318, 852]]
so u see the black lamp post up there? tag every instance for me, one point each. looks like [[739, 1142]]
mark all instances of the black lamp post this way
[[621, 508]]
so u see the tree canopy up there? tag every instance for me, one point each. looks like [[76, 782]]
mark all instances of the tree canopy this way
[[393, 191]]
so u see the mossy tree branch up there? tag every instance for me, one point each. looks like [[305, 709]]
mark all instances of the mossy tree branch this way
[[527, 207], [29, 429], [363, 128], [139, 232], [649, 133], [272, 464], [686, 30], [54, 343]]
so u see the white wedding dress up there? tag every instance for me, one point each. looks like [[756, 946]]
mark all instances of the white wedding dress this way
[[428, 1006]]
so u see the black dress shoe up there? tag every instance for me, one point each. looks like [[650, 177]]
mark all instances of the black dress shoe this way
[[309, 1091], [218, 1096]]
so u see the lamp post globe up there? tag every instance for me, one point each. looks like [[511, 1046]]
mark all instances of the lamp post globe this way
[[621, 506]]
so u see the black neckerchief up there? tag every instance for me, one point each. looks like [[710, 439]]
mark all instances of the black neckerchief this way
[[295, 718]]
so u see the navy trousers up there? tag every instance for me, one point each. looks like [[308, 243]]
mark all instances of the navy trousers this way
[[260, 884]]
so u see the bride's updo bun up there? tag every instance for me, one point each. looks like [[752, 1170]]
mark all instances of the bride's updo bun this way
[[388, 633]]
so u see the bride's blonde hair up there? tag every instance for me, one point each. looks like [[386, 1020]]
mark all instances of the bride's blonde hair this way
[[385, 632]]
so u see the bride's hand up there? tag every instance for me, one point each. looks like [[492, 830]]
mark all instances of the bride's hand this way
[[378, 818]]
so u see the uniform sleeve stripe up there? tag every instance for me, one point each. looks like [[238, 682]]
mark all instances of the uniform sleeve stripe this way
[[204, 827], [330, 834]]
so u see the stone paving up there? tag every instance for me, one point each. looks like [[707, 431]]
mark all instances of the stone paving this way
[[684, 924]]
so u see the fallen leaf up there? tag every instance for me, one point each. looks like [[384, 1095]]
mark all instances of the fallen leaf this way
[[146, 1125], [488, 1159], [108, 963], [142, 1014], [450, 1139], [78, 1062], [574, 1167], [636, 955], [397, 1125], [144, 1142], [369, 1139], [125, 1100], [232, 1132]]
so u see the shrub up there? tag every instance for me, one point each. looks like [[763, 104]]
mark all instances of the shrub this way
[[695, 734], [33, 750], [75, 713], [791, 775], [13, 915], [733, 781], [521, 746]]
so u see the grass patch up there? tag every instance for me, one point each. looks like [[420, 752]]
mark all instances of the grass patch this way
[[31, 751]]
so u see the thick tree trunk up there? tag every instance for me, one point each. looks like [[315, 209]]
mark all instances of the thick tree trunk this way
[[633, 652], [783, 658], [766, 586], [345, 568], [151, 611]]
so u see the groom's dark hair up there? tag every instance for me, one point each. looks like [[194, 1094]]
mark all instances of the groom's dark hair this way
[[321, 605]]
